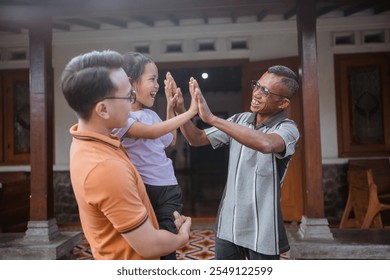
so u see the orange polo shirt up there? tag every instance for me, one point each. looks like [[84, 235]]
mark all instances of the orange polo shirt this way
[[110, 194]]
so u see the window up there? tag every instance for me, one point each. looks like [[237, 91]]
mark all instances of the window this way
[[14, 117], [173, 47], [363, 104]]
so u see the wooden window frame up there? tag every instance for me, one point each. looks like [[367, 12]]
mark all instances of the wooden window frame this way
[[8, 157], [346, 146]]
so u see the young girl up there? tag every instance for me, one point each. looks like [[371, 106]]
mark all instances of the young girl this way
[[146, 136]]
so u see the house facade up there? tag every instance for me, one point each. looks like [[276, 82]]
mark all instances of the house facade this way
[[219, 42]]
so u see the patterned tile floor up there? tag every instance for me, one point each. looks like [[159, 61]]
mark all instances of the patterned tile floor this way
[[200, 246]]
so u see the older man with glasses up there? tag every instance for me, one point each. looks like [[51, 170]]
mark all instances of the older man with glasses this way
[[261, 144]]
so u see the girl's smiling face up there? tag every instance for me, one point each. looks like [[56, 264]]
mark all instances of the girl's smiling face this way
[[146, 87]]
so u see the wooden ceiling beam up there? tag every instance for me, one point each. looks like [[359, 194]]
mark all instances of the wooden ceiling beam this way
[[146, 12], [113, 21], [260, 16], [145, 20], [324, 10], [234, 17], [100, 8], [205, 18], [61, 26], [81, 22], [289, 14], [173, 19], [356, 9]]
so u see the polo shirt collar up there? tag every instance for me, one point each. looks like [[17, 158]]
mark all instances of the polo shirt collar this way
[[278, 117], [93, 136]]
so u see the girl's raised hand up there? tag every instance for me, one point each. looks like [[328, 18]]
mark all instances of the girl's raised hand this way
[[170, 91]]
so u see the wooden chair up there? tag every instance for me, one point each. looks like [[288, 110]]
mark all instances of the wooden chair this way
[[364, 202]]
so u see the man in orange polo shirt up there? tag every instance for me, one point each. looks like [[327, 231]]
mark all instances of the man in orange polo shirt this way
[[115, 212]]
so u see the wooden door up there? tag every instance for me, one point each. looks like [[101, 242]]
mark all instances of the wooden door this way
[[292, 189], [363, 104]]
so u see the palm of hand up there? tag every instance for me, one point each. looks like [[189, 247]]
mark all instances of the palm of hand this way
[[204, 110]]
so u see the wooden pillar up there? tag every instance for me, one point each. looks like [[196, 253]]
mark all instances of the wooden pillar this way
[[313, 193], [42, 224]]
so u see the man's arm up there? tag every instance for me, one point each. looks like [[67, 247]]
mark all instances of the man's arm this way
[[150, 242], [254, 139]]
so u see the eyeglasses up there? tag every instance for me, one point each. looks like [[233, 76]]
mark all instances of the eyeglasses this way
[[255, 85], [131, 98]]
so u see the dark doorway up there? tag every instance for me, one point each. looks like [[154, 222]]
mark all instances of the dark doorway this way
[[210, 79], [202, 171]]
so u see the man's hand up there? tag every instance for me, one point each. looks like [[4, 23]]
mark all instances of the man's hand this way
[[194, 103], [183, 223], [203, 109]]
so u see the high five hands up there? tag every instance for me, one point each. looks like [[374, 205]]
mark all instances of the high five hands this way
[[203, 109], [198, 102], [174, 93]]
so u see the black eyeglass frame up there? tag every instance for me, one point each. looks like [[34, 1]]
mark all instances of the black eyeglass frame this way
[[132, 97], [265, 91]]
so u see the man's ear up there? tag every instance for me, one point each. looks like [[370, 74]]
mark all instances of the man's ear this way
[[284, 103], [101, 110]]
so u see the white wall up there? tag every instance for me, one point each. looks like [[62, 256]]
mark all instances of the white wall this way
[[267, 40]]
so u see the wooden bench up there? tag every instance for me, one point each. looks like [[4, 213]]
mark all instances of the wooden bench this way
[[14, 201]]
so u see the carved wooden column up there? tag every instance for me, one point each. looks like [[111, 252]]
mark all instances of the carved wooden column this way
[[42, 225], [313, 224]]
